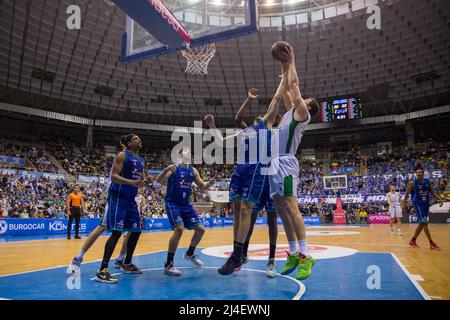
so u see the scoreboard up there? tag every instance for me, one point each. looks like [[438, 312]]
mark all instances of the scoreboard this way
[[341, 109]]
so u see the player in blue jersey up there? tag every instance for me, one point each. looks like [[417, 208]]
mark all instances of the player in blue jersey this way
[[265, 201], [75, 264], [178, 180], [247, 181], [121, 212], [420, 190]]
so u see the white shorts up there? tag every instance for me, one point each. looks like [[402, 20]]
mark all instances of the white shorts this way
[[395, 211], [285, 177]]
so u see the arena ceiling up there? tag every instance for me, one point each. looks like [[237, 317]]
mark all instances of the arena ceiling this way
[[401, 68]]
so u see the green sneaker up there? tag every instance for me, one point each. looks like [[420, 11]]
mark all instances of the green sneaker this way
[[291, 263], [304, 267]]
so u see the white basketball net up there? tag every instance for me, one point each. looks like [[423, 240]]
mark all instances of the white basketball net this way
[[198, 58]]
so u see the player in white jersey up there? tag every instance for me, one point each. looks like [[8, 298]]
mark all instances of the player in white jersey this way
[[395, 210], [284, 183], [141, 204]]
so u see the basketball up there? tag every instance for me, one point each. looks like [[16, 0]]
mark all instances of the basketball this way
[[280, 51]]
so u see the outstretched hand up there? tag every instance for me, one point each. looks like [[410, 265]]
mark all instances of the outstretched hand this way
[[252, 94], [209, 120]]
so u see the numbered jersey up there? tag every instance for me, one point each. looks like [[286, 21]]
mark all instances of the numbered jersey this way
[[179, 186], [421, 192], [133, 169], [394, 198], [253, 142]]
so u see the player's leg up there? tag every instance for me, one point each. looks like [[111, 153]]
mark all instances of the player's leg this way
[[236, 207], [191, 221], [292, 260], [74, 265], [399, 216], [236, 258], [115, 216], [249, 234], [176, 222], [421, 219], [433, 245], [77, 222], [273, 234], [69, 224], [133, 225], [123, 251], [391, 220], [103, 274]]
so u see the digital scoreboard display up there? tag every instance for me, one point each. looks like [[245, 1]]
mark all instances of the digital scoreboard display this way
[[341, 109]]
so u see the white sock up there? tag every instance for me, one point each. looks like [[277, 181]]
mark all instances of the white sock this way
[[293, 247], [303, 247]]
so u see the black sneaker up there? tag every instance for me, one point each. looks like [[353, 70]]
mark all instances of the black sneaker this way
[[105, 277], [230, 266], [130, 268], [77, 237]]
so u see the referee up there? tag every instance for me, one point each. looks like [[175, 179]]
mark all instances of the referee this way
[[73, 204]]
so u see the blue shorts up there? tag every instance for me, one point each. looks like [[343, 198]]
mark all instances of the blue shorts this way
[[422, 212], [179, 215], [121, 214], [247, 183], [265, 201]]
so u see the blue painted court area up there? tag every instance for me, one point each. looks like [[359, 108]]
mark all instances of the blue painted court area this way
[[340, 278]]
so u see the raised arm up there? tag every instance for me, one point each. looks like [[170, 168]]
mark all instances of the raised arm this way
[[200, 183], [272, 111], [239, 119], [167, 172], [301, 110], [209, 120]]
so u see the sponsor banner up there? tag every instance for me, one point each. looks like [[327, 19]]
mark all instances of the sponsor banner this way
[[382, 218], [8, 171], [104, 180], [49, 175], [88, 179], [346, 198], [154, 172], [20, 227], [311, 220], [219, 196], [448, 220], [344, 169], [13, 160], [433, 174]]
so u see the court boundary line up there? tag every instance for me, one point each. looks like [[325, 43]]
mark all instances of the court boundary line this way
[[300, 293], [65, 266], [413, 281]]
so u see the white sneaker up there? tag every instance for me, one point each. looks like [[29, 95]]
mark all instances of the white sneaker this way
[[271, 271], [194, 259], [399, 232], [74, 266], [170, 270]]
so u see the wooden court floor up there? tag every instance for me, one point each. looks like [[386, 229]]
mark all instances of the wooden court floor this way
[[432, 266]]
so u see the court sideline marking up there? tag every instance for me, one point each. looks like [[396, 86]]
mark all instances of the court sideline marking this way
[[414, 282]]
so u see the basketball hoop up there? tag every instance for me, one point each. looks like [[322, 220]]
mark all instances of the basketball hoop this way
[[198, 58]]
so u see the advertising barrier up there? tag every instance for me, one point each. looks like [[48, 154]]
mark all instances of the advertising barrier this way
[[382, 218], [13, 160], [24, 227]]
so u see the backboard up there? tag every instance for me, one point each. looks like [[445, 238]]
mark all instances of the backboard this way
[[196, 22]]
